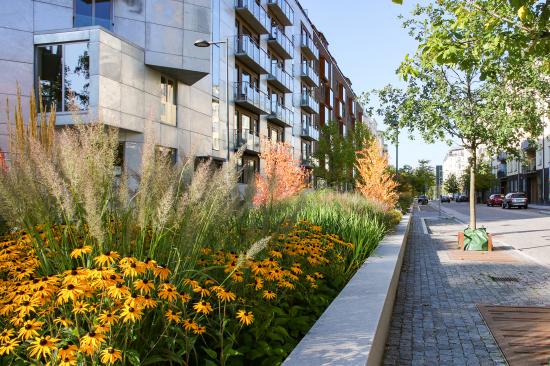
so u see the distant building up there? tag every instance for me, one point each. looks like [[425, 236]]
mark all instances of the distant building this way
[[455, 162]]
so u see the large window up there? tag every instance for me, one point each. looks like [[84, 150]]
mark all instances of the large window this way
[[63, 74], [168, 111], [93, 12]]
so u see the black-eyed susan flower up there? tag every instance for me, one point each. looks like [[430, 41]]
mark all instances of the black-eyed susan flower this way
[[201, 290], [245, 317], [42, 347], [130, 314], [107, 317], [161, 272], [80, 251], [30, 329], [226, 296], [173, 317], [69, 292], [144, 286], [80, 308], [106, 259], [63, 321], [167, 291], [92, 340], [67, 351], [185, 297], [110, 356], [8, 346], [148, 302], [199, 329], [202, 307], [269, 295], [6, 335], [189, 325], [118, 291]]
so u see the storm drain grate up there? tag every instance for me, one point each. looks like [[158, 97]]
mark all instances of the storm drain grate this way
[[504, 279]]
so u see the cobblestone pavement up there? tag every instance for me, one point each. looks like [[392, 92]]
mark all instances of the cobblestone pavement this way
[[435, 320]]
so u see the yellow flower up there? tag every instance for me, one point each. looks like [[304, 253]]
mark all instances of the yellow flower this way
[[80, 251], [269, 295], [42, 347], [144, 286], [92, 340], [226, 296], [71, 292], [162, 272], [107, 318], [148, 302], [8, 346], [245, 317], [118, 291], [110, 356], [80, 307], [67, 353], [130, 314], [189, 325], [65, 322], [173, 317], [106, 259], [201, 290], [6, 335], [30, 329], [26, 307], [168, 292], [202, 307], [185, 297], [199, 329]]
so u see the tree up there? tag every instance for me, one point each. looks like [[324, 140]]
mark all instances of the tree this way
[[450, 94], [425, 176], [283, 176], [451, 184], [375, 180], [484, 179]]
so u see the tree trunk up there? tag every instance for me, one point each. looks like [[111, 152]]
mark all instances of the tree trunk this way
[[473, 169]]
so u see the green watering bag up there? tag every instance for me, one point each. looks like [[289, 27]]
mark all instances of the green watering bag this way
[[477, 239]]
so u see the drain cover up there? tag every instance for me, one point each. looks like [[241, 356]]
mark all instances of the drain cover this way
[[504, 279]]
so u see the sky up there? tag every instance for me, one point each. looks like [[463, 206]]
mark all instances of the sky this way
[[368, 41]]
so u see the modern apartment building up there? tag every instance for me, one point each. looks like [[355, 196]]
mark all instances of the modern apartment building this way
[[455, 162], [530, 174], [268, 73]]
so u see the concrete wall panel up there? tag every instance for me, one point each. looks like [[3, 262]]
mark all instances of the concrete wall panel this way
[[50, 17]]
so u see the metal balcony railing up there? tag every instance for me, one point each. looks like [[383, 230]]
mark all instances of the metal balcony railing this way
[[254, 14], [248, 51], [250, 97], [281, 43], [247, 138], [308, 47], [310, 131], [281, 115], [280, 78], [309, 74], [309, 104], [282, 10]]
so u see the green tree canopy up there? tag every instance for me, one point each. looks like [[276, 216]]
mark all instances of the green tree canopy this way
[[451, 184]]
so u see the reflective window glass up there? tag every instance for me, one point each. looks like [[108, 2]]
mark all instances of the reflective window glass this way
[[50, 66], [77, 76]]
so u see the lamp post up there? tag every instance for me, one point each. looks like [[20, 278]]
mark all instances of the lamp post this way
[[202, 43], [395, 125]]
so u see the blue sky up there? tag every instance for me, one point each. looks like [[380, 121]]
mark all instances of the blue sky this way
[[369, 43]]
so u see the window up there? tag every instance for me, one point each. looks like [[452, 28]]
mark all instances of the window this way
[[168, 153], [216, 56], [250, 166], [215, 125], [63, 74], [93, 12], [168, 111], [275, 134]]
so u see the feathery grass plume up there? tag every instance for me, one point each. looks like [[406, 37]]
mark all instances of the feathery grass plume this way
[[257, 247]]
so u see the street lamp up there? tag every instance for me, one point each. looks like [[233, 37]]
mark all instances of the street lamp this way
[[202, 43], [395, 125]]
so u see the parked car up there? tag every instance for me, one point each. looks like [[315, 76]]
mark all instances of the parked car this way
[[517, 199], [445, 199], [495, 200], [423, 200], [462, 198]]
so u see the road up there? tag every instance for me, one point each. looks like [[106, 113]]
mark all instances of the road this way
[[526, 230]]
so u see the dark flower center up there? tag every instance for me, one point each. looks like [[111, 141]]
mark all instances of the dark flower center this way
[[111, 350], [70, 287], [43, 342]]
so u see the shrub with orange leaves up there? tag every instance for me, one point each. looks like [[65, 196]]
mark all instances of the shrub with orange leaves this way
[[375, 181], [283, 176]]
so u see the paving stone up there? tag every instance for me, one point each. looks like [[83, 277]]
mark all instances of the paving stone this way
[[435, 320]]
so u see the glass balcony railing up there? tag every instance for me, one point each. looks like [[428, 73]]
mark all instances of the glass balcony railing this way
[[309, 74], [281, 114], [283, 11], [282, 79], [309, 47], [248, 51], [247, 138], [252, 98], [280, 41], [254, 14], [310, 131], [308, 103], [308, 161]]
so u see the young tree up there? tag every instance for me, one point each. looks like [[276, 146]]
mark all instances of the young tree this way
[[375, 180], [283, 175], [425, 176], [449, 94], [484, 178], [451, 184]]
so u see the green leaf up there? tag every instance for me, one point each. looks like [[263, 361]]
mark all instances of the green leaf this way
[[211, 353], [399, 2], [132, 357]]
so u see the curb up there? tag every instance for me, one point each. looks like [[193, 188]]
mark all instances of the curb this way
[[354, 328]]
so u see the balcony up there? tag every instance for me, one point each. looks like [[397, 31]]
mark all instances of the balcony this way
[[254, 14], [281, 115], [308, 162], [282, 11], [502, 173], [246, 138], [308, 103], [281, 44], [249, 53], [502, 156], [310, 132], [309, 75], [248, 96], [309, 48], [279, 78], [529, 167]]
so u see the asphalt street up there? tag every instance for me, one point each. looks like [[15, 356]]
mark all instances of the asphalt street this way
[[526, 230]]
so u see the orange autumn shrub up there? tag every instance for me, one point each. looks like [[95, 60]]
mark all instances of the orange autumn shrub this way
[[283, 175], [375, 181]]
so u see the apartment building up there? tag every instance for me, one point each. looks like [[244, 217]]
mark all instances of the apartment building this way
[[455, 162], [267, 73], [530, 174]]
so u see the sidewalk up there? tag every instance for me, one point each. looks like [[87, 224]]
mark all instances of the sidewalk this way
[[435, 320]]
